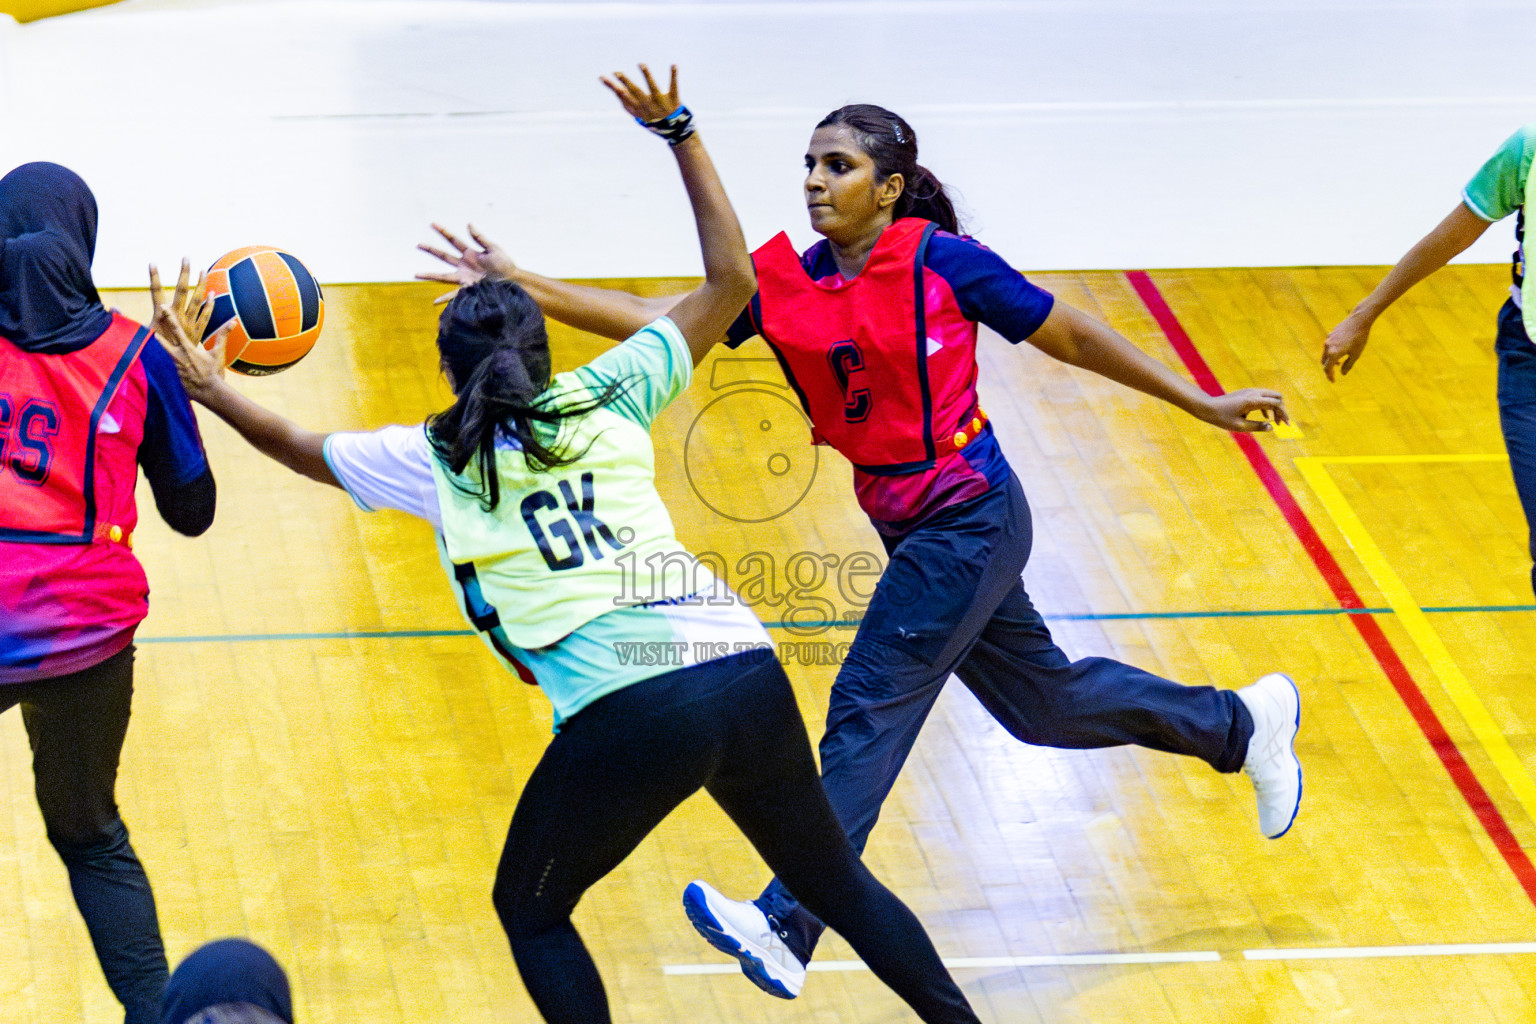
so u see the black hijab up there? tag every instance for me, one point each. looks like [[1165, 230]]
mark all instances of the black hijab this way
[[224, 972], [48, 302]]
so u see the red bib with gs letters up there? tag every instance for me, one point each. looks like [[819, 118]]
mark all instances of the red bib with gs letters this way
[[50, 409]]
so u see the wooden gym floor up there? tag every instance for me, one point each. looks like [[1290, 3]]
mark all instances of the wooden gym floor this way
[[322, 758]]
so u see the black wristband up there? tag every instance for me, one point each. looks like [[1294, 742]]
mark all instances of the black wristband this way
[[675, 127]]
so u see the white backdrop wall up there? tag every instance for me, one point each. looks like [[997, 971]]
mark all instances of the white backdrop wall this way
[[1093, 134]]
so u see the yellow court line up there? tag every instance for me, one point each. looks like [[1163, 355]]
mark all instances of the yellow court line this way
[[1383, 460], [1412, 617]]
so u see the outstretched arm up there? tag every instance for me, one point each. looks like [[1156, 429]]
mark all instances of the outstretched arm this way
[[1078, 339], [701, 315], [606, 312], [202, 374], [1449, 239]]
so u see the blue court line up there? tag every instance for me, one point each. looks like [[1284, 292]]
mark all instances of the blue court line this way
[[411, 634], [1482, 608], [1251, 613]]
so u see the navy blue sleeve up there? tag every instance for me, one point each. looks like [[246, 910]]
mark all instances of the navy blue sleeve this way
[[172, 450], [988, 290], [744, 327]]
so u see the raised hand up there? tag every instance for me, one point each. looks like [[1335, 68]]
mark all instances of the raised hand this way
[[184, 309], [648, 104], [180, 322], [468, 264], [1230, 411]]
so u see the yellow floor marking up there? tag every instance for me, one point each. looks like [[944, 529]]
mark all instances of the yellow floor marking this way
[[1412, 617], [1384, 460], [1288, 431]]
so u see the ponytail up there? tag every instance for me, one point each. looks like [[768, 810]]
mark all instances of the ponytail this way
[[925, 196], [495, 350], [892, 144]]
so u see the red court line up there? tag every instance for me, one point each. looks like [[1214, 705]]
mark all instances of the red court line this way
[[1344, 592]]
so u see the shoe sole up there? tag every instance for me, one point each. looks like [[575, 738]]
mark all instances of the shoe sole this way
[[696, 906], [1291, 746]]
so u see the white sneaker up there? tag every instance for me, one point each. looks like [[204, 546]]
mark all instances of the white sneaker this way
[[741, 930], [1271, 764]]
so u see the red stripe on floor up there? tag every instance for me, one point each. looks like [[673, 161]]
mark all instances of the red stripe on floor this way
[[1344, 592]]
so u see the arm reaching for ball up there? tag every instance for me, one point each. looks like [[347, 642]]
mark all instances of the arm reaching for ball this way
[[184, 317]]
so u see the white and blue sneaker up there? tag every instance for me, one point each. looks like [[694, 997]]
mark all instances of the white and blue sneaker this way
[[741, 930], [1271, 764]]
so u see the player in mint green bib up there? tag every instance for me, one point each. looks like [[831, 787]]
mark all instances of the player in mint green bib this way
[[542, 493], [1502, 186]]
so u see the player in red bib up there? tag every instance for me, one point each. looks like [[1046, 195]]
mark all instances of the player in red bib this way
[[875, 329], [86, 397]]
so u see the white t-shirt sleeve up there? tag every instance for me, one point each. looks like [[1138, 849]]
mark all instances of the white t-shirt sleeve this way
[[387, 468]]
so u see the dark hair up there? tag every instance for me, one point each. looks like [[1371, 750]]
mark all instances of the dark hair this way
[[494, 347], [892, 144]]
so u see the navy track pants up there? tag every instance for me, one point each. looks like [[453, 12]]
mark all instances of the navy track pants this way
[[951, 601], [1517, 411]]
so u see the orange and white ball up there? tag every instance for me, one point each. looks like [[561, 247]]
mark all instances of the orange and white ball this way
[[275, 302]]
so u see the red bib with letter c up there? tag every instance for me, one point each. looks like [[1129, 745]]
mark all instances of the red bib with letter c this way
[[857, 353]]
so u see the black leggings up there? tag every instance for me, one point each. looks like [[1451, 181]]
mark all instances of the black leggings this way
[[621, 764], [76, 725]]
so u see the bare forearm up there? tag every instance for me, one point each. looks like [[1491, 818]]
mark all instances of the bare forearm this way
[[606, 312], [1120, 361], [1076, 338], [1449, 239], [704, 314], [302, 451], [616, 314], [726, 260]]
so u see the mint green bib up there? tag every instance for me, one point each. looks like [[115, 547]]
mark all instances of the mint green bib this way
[[566, 545]]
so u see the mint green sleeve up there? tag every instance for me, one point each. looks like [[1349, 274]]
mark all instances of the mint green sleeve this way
[[1498, 188], [653, 365]]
